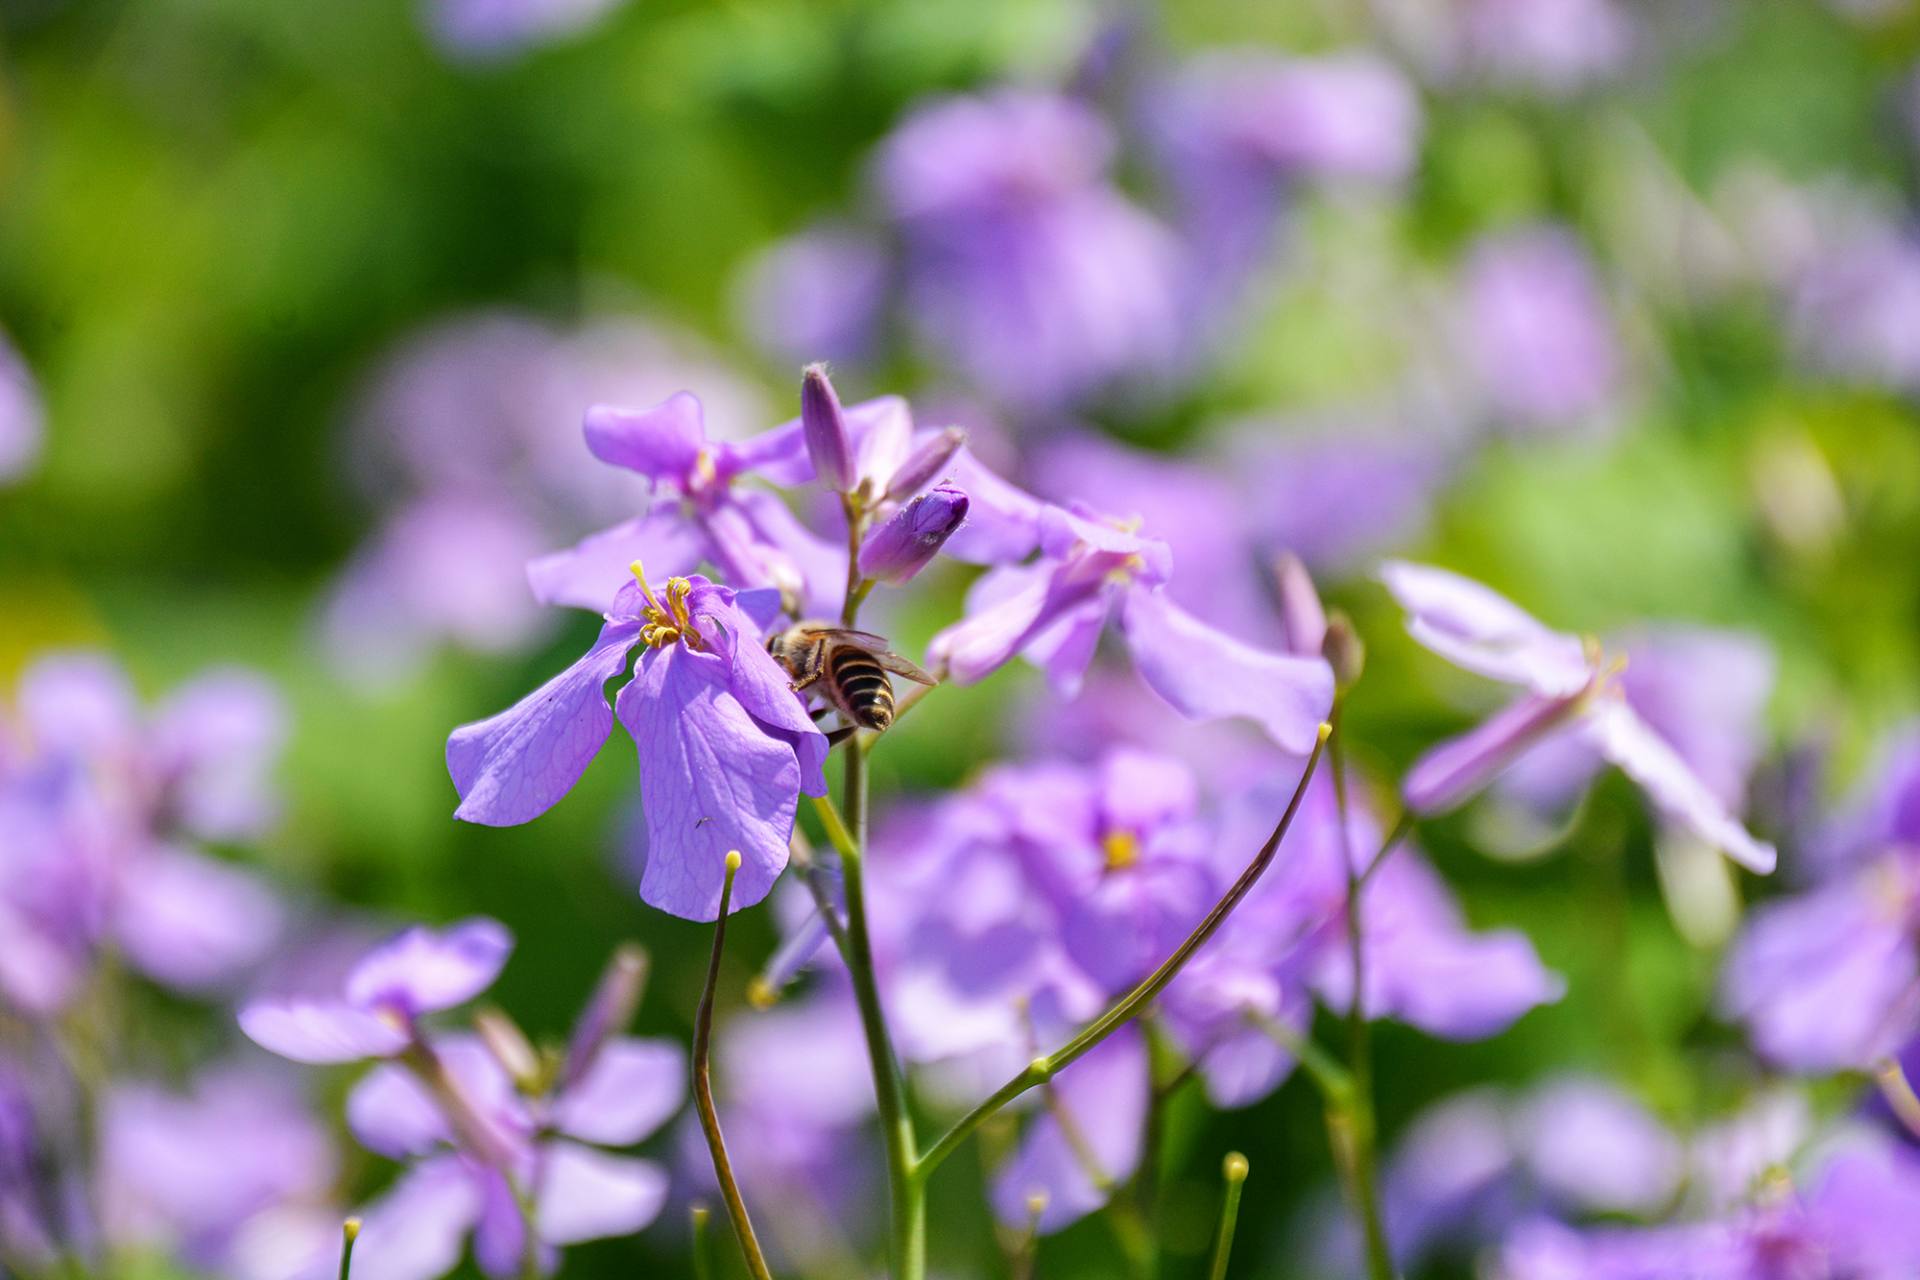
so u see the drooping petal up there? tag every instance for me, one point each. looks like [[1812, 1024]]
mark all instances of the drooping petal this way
[[589, 1195], [417, 1230], [632, 1089], [1006, 609], [1448, 774], [1477, 628], [1207, 675], [191, 922], [1065, 647], [423, 970], [761, 684], [711, 781], [320, 1032], [588, 574], [392, 1113], [662, 443], [515, 766], [1003, 522], [1624, 738]]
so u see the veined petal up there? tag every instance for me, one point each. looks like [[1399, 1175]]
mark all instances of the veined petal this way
[[761, 684], [424, 970], [633, 1087], [591, 572], [1475, 627], [1447, 775], [1208, 675], [589, 1195], [711, 781], [320, 1032], [515, 766], [1624, 738], [663, 442]]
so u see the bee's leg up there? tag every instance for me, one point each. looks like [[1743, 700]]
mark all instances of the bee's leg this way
[[817, 712], [810, 678], [837, 736]]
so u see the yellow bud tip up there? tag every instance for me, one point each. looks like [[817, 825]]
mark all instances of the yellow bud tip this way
[[1234, 1167], [1036, 1203], [1326, 730], [700, 1215], [761, 995], [350, 1229], [733, 860]]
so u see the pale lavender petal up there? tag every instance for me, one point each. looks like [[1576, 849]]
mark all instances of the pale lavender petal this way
[[515, 766], [392, 1113], [500, 1235], [1003, 522], [1064, 649], [590, 573], [1598, 1150], [320, 1032], [663, 442], [633, 1087], [1005, 610], [425, 970], [22, 416], [79, 703], [1104, 1095], [1474, 627], [711, 780], [1622, 737], [191, 922], [1141, 790], [1207, 675], [1450, 773], [218, 739], [589, 1195]]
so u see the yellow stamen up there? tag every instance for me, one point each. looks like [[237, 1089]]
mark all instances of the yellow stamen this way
[[640, 576], [703, 470], [1122, 849]]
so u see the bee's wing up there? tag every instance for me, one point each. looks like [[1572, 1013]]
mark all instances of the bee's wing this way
[[901, 667], [866, 640]]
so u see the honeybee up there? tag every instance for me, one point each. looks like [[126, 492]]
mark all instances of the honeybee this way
[[853, 666]]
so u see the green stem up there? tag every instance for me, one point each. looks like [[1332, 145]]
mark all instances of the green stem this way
[[703, 1090], [1234, 1171], [702, 1243], [1359, 1118], [1131, 1005]]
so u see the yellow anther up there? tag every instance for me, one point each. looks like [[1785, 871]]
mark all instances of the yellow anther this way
[[1122, 849], [761, 994], [639, 573], [703, 469]]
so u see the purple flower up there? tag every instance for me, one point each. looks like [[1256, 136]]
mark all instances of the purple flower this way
[[1023, 268], [824, 425], [699, 515], [1851, 310], [725, 745], [1092, 568], [1554, 47], [913, 535], [1536, 328], [481, 31], [22, 417], [818, 294], [1566, 686], [418, 972]]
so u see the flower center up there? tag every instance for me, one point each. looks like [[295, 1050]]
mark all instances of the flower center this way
[[669, 622], [1122, 849]]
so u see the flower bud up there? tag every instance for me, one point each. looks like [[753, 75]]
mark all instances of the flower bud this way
[[1343, 649], [608, 1011], [901, 547], [510, 1048], [825, 426], [1302, 620], [925, 463]]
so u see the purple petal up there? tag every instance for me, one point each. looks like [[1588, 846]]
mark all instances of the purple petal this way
[[392, 1113], [712, 780], [500, 1235], [589, 1195], [1003, 522], [1065, 648], [1105, 1096], [22, 416], [192, 922], [78, 703], [316, 1032], [417, 1230], [218, 739], [1597, 1149], [588, 574], [1448, 774], [1005, 609], [424, 970], [1475, 627], [1206, 675], [1624, 738], [515, 766], [762, 686], [633, 1087], [663, 442]]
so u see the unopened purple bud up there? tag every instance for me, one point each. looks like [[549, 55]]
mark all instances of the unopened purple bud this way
[[901, 547], [608, 1012], [925, 463], [1344, 651], [1302, 620], [826, 430]]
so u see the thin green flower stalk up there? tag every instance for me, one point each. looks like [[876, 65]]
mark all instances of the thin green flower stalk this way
[[703, 1090], [1233, 1172], [349, 1232]]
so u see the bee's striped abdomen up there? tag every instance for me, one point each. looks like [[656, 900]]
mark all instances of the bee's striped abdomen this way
[[864, 691]]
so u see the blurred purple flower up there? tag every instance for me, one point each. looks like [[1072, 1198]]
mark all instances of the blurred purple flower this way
[[1023, 268], [22, 416], [1479, 630], [1536, 328], [1552, 47], [1093, 567], [1852, 310], [417, 972], [820, 294], [725, 744], [481, 31]]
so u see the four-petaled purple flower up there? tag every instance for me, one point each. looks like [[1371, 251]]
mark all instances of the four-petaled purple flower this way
[[726, 746]]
